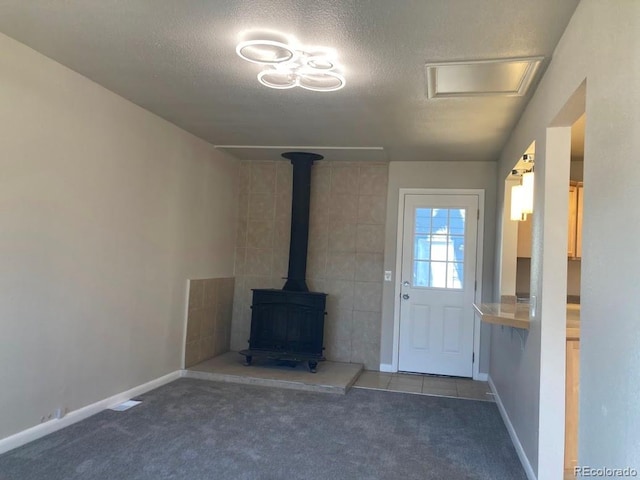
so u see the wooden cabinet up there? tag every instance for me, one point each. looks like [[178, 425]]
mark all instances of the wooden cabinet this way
[[574, 245], [574, 249], [579, 222], [571, 405], [524, 238], [573, 217]]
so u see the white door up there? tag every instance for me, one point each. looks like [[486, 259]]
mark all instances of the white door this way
[[438, 284]]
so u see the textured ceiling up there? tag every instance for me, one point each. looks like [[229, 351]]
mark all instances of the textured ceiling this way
[[177, 59]]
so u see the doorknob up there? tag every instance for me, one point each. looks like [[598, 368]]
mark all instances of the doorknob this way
[[405, 283], [405, 296]]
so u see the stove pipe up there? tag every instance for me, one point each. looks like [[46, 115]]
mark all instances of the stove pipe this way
[[300, 200]]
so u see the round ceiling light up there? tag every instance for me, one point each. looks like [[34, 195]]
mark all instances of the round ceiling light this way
[[321, 81], [288, 64], [320, 63], [267, 52], [281, 79]]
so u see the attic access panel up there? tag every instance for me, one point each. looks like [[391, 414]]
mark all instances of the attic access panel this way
[[506, 77]]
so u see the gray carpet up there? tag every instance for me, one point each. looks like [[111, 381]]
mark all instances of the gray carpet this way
[[194, 429]]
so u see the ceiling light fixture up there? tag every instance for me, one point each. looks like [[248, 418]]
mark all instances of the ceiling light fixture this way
[[267, 52], [288, 65], [522, 194]]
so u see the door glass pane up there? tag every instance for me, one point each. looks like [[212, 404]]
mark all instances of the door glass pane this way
[[456, 221], [423, 220], [438, 248], [439, 274], [421, 274], [458, 248], [454, 275], [422, 246]]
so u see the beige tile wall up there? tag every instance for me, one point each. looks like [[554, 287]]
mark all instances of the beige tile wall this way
[[346, 245], [209, 319]]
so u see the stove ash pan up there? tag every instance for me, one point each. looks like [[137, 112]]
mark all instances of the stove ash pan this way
[[287, 326]]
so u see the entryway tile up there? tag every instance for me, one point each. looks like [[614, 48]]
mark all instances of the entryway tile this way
[[426, 385], [377, 380], [406, 383]]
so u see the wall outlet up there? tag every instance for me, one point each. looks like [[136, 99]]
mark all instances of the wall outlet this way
[[387, 275]]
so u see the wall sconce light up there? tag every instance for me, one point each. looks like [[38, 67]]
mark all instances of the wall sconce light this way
[[517, 200], [522, 197], [527, 187]]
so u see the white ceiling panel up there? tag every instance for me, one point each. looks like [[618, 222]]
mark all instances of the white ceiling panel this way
[[482, 78]]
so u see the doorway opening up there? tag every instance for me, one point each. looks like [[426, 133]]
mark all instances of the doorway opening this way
[[574, 272], [558, 267], [517, 220]]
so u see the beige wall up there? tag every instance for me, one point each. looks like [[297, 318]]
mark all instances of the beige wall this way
[[600, 45], [209, 319], [105, 211], [450, 175], [346, 238]]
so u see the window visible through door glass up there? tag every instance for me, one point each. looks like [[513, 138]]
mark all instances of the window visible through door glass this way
[[438, 248]]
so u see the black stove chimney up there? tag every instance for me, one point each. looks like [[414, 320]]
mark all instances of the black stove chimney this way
[[300, 200]]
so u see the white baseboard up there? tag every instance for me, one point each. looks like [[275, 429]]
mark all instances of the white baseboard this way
[[512, 433], [18, 439], [387, 367], [482, 377]]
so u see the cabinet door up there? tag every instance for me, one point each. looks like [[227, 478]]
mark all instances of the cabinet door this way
[[579, 222], [573, 205], [524, 238]]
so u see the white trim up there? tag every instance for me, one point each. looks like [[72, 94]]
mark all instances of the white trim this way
[[38, 431], [297, 147], [482, 377], [388, 367], [528, 469], [398, 287], [478, 294], [185, 325], [479, 263]]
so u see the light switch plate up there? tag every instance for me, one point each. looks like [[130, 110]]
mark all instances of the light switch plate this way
[[387, 275]]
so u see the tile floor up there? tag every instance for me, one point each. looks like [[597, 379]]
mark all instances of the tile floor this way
[[334, 377], [426, 385]]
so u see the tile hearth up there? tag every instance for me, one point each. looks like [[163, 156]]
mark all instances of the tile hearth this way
[[332, 377]]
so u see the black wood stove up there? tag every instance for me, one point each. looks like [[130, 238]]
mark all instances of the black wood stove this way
[[288, 324]]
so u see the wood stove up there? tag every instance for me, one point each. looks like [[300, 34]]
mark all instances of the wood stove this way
[[288, 324]]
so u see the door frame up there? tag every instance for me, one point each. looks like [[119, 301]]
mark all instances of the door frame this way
[[479, 256]]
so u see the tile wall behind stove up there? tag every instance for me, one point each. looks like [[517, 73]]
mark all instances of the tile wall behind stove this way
[[208, 319], [346, 245]]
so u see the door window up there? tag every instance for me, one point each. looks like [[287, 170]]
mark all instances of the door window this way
[[438, 248]]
